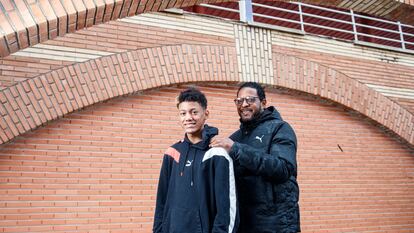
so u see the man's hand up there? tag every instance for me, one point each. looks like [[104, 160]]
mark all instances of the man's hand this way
[[226, 143]]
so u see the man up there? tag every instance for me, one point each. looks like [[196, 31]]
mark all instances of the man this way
[[264, 156], [196, 189]]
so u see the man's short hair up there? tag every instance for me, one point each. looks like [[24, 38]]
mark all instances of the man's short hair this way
[[192, 94], [254, 85]]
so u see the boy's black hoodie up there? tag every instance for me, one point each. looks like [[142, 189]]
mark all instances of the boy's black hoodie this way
[[196, 189]]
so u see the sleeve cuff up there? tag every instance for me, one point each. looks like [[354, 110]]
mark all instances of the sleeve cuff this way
[[234, 151]]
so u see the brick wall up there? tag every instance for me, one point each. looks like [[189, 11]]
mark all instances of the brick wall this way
[[83, 127], [96, 170]]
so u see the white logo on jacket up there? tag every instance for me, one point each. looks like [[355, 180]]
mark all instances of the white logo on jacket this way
[[188, 164], [259, 138]]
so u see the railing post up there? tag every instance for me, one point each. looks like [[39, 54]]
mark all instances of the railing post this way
[[302, 25], [354, 25], [246, 11], [401, 35]]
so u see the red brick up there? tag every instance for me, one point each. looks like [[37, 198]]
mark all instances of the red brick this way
[[100, 6], [109, 8], [28, 21], [71, 14], [60, 13], [40, 21], [4, 48], [117, 9]]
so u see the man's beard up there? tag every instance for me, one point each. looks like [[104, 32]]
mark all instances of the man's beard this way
[[255, 116]]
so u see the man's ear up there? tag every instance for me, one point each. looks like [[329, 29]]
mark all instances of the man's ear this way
[[263, 102], [207, 113]]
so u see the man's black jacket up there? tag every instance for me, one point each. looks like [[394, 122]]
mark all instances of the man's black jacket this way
[[264, 155]]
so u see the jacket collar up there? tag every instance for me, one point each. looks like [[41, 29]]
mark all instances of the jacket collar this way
[[206, 135], [269, 113]]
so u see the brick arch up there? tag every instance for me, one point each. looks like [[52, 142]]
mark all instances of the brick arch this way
[[35, 102], [319, 80], [24, 24]]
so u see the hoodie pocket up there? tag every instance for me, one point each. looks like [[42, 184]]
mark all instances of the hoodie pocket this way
[[183, 220]]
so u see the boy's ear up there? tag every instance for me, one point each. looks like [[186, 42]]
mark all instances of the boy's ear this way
[[206, 112]]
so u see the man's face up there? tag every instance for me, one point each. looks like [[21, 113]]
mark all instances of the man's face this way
[[192, 118], [249, 106]]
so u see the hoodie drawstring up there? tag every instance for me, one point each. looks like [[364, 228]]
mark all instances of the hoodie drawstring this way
[[192, 168], [191, 158], [207, 133], [185, 160]]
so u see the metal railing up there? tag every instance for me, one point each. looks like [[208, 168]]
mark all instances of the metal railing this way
[[305, 18]]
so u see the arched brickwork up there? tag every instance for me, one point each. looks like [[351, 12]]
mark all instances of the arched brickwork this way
[[34, 102], [24, 24], [311, 77]]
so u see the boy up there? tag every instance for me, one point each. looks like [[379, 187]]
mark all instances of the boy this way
[[196, 189]]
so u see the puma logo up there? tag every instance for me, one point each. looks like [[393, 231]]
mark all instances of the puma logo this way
[[188, 163], [259, 138]]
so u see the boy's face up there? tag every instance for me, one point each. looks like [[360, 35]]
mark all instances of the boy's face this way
[[192, 118]]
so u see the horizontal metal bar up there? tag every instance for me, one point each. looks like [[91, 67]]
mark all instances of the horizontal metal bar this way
[[219, 8], [298, 13], [276, 18], [327, 18], [321, 8], [278, 28], [378, 37], [382, 20], [406, 25], [375, 19], [329, 28], [275, 8], [373, 27], [406, 42], [408, 34]]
